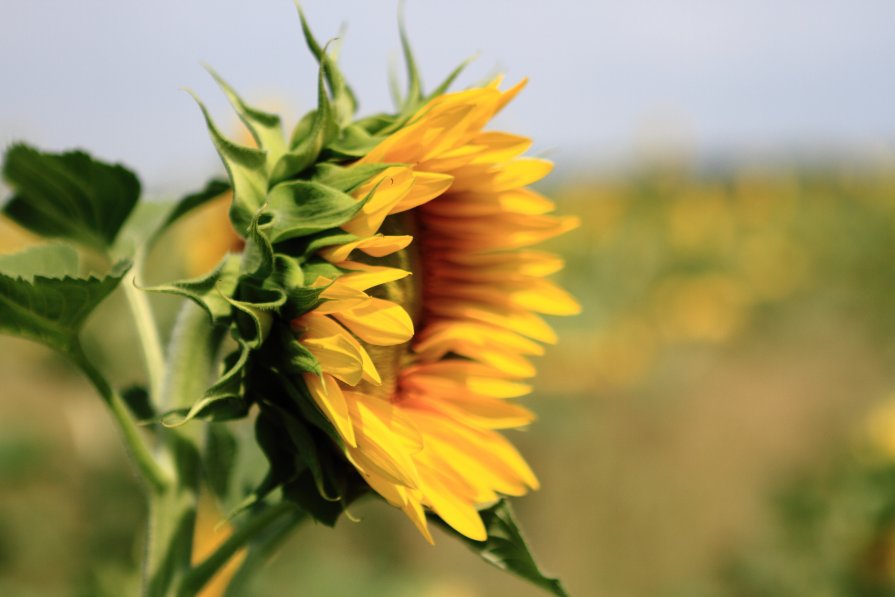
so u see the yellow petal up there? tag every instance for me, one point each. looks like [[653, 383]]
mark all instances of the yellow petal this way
[[327, 394], [426, 186], [364, 276], [389, 188], [378, 321], [375, 246], [333, 347]]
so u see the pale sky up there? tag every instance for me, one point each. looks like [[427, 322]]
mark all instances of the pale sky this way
[[108, 75]]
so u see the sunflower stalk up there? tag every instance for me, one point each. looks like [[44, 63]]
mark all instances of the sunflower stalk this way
[[172, 513]]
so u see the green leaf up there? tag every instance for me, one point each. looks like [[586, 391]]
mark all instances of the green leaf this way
[[300, 208], [52, 261], [69, 195], [264, 126], [247, 170], [52, 310], [214, 189], [506, 548], [209, 291]]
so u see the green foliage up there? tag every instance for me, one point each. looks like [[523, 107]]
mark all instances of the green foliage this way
[[69, 195], [506, 548], [51, 310], [52, 261]]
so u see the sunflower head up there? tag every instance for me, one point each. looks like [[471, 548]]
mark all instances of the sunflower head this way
[[387, 304]]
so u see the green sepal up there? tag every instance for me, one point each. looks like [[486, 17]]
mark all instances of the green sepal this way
[[257, 256], [414, 96], [306, 146], [223, 401], [287, 272], [300, 207], [302, 128], [318, 267], [347, 179], [246, 168], [449, 80], [53, 310], [50, 261], [253, 318], [305, 447], [220, 452], [213, 189], [69, 195], [294, 358], [209, 291], [353, 142], [304, 492], [375, 123], [298, 395], [505, 547], [327, 238], [344, 100], [264, 127]]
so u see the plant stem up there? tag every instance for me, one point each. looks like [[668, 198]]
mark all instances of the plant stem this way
[[205, 570], [192, 358], [136, 443], [146, 327]]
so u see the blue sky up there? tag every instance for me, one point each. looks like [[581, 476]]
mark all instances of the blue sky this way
[[606, 78]]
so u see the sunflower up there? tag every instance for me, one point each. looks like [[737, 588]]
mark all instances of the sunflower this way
[[429, 332]]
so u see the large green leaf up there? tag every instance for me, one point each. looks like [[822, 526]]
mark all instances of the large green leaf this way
[[506, 548], [69, 195], [52, 261], [52, 310]]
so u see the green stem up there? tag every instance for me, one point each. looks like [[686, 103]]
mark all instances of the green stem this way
[[146, 327], [172, 514], [205, 570], [136, 443]]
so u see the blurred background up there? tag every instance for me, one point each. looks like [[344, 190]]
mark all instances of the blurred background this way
[[721, 418]]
